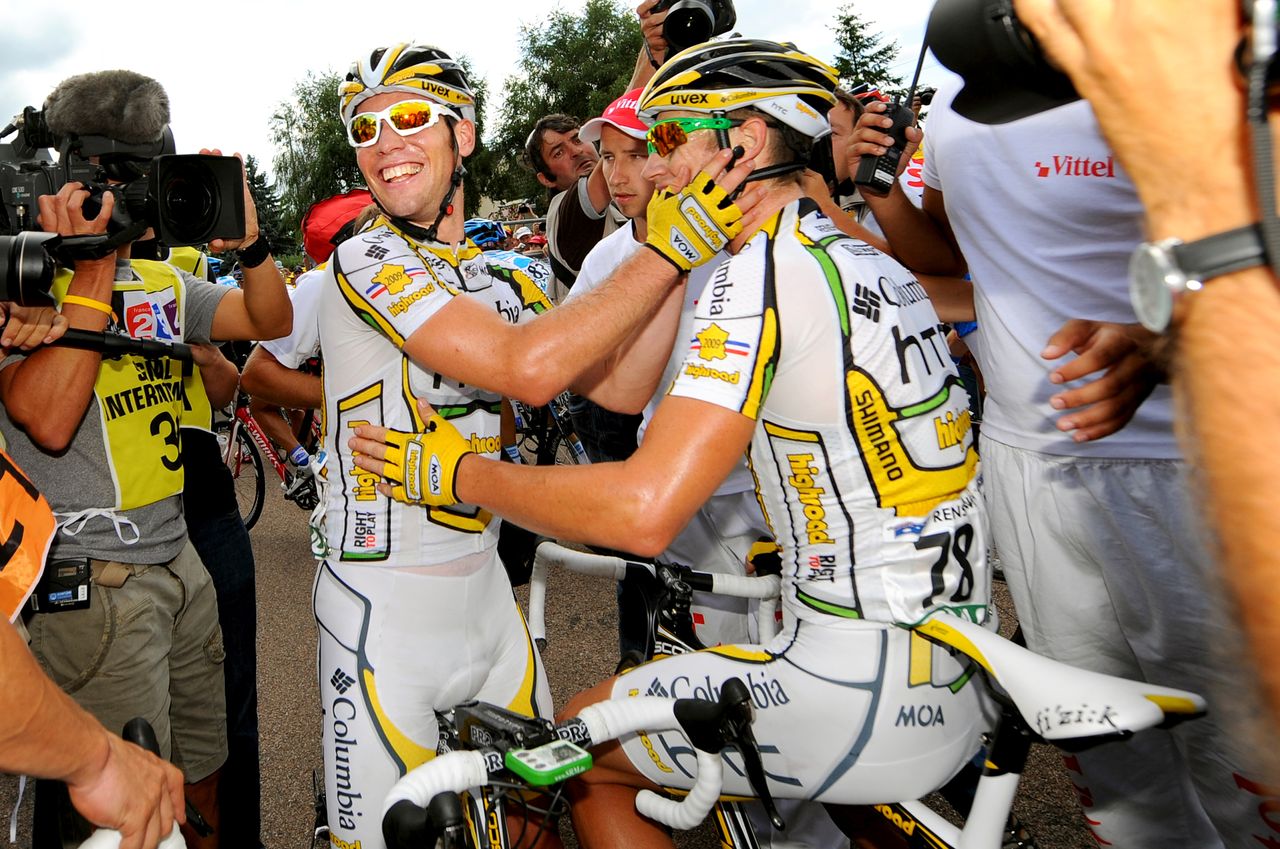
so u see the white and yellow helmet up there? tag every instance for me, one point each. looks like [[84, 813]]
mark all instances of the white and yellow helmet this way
[[719, 76], [413, 68]]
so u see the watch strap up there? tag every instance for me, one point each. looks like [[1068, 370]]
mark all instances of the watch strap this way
[[1221, 253]]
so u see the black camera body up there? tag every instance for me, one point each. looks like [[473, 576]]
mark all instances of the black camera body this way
[[691, 22], [188, 199]]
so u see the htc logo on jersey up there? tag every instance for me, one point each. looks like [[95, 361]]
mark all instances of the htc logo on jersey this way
[[1076, 166]]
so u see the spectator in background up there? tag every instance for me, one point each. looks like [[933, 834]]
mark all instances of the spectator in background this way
[[520, 239]]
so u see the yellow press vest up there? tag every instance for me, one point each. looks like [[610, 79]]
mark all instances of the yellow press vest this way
[[142, 401]]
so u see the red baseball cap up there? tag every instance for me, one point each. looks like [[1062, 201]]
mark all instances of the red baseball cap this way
[[325, 221], [621, 115]]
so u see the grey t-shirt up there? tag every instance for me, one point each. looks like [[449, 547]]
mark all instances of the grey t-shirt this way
[[80, 478]]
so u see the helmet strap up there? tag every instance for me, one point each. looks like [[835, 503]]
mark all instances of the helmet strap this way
[[429, 234]]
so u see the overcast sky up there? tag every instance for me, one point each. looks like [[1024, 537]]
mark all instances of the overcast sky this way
[[228, 64]]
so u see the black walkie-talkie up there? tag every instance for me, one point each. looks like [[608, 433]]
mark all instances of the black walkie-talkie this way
[[876, 174]]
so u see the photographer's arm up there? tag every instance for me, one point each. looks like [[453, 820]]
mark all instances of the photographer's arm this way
[[219, 375], [269, 380], [261, 308], [919, 237], [1226, 364], [51, 418], [113, 783], [654, 44]]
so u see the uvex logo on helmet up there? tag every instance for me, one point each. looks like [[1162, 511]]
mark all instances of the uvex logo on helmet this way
[[691, 99]]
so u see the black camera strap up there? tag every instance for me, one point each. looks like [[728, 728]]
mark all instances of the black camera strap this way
[[1263, 51]]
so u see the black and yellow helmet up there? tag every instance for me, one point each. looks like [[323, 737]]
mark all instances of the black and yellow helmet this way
[[719, 76], [413, 68]]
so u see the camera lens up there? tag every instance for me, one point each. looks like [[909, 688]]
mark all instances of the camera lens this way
[[688, 22], [26, 269], [187, 202]]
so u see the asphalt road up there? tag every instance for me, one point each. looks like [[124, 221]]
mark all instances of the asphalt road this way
[[581, 623]]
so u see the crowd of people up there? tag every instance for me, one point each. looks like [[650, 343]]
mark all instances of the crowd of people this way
[[758, 353]]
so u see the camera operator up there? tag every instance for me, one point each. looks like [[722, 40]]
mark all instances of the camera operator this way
[[1148, 68], [101, 439]]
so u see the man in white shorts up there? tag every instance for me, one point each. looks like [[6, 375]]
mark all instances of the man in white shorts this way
[[811, 352]]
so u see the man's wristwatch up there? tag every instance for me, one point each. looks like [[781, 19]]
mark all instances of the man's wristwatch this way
[[1159, 272]]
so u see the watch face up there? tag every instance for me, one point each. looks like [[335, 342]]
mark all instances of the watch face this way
[[1151, 278]]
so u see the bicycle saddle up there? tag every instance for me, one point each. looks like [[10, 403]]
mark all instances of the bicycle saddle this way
[[1061, 702]]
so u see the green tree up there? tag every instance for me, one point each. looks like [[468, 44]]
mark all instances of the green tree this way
[[270, 221], [315, 161], [575, 64], [864, 56]]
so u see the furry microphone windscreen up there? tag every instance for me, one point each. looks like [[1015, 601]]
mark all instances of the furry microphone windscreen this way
[[121, 105]]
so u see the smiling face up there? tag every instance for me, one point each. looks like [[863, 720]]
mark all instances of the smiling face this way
[[410, 174], [568, 158], [623, 160]]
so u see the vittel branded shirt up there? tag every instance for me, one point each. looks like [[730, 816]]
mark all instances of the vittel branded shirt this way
[[863, 451], [1047, 220], [383, 287]]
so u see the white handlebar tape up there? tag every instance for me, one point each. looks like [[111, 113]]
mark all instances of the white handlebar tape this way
[[456, 771], [109, 838], [692, 809]]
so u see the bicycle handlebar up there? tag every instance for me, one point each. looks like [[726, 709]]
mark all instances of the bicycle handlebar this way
[[459, 771], [610, 566]]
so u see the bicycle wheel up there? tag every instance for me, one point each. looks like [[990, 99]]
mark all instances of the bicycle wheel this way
[[246, 470]]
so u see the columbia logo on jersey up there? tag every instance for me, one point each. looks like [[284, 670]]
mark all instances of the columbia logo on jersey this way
[[341, 681], [1076, 166], [377, 252]]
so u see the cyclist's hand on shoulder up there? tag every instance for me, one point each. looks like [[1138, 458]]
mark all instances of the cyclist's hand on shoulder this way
[[421, 468], [27, 327], [1123, 361], [133, 792]]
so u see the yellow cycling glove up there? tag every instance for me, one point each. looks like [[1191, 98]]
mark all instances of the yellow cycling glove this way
[[423, 467], [689, 227]]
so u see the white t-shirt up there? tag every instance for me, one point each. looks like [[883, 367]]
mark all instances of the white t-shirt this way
[[1047, 221], [303, 341], [609, 253]]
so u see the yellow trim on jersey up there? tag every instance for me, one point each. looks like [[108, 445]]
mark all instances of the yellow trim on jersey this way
[[787, 433], [358, 302], [764, 363], [467, 524], [740, 653], [921, 661], [409, 753], [913, 491]]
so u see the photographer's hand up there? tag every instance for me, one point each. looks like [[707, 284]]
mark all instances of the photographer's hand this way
[[251, 231], [28, 327], [651, 27]]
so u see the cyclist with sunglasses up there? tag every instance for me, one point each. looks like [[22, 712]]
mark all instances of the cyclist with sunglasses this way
[[415, 610], [821, 358]]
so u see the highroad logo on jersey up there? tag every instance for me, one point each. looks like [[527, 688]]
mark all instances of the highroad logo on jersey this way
[[1076, 166]]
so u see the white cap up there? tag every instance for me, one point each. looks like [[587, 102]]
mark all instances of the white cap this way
[[522, 232]]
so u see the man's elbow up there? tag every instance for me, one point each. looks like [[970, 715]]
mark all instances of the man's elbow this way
[[650, 528], [51, 433]]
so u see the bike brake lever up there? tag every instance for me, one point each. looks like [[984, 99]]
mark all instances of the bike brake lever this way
[[739, 711]]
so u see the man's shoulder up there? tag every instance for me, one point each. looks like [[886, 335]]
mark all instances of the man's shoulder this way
[[606, 255]]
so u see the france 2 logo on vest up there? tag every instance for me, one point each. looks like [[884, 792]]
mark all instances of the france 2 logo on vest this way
[[145, 319]]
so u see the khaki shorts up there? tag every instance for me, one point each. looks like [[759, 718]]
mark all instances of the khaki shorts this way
[[149, 647]]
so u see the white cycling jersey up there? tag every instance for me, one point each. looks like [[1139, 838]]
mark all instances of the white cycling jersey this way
[[863, 456], [386, 286]]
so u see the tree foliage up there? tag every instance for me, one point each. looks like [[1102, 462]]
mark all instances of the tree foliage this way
[[270, 221], [314, 161], [864, 56], [575, 64]]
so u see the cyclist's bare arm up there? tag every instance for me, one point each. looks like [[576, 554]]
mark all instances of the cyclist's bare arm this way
[[219, 375], [114, 784], [268, 380], [626, 380], [638, 505], [537, 360], [919, 237]]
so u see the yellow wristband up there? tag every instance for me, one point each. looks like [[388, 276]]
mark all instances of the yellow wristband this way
[[88, 302]]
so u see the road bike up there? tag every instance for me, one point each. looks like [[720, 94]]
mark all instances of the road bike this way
[[244, 444], [1037, 700]]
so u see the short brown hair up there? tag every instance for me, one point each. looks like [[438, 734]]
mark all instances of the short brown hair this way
[[556, 122]]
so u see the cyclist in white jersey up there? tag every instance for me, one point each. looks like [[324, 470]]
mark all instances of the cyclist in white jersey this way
[[824, 359], [415, 610]]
